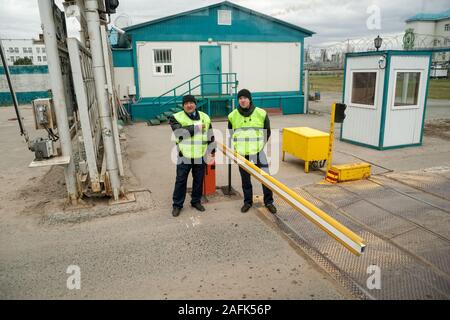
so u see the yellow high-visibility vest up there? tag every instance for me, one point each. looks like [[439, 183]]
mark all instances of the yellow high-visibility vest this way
[[193, 147], [248, 132]]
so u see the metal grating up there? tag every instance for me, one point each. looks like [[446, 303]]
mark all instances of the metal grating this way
[[435, 183], [403, 274]]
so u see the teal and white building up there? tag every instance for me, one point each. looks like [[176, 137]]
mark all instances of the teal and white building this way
[[385, 93], [211, 52]]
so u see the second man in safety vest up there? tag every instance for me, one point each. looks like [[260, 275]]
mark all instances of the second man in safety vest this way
[[250, 130]]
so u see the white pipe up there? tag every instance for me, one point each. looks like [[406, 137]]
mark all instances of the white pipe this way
[[306, 92], [58, 96], [98, 65], [117, 29]]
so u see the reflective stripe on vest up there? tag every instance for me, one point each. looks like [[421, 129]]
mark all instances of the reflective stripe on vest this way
[[193, 147], [248, 132]]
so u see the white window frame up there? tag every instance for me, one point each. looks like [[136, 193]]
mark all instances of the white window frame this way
[[412, 106], [39, 59], [222, 23], [162, 65], [375, 101], [447, 27]]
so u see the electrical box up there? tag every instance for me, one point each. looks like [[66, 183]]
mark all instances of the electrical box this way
[[44, 116], [42, 148], [307, 144]]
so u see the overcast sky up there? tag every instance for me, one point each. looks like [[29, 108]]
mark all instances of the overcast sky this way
[[332, 20]]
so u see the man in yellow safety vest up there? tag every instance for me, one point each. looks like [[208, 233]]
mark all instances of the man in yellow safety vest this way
[[194, 139], [250, 127]]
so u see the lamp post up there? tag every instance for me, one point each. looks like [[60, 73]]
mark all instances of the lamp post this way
[[377, 42]]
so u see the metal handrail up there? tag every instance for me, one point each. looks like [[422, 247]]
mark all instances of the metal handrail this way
[[190, 88]]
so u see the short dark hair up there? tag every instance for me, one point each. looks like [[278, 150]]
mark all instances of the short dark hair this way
[[189, 98]]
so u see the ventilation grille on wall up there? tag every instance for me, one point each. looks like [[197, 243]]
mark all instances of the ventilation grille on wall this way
[[224, 17]]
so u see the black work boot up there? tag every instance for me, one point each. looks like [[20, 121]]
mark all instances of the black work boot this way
[[198, 206], [176, 211], [271, 208], [246, 207]]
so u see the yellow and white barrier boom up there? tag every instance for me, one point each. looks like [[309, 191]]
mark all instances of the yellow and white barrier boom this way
[[340, 233]]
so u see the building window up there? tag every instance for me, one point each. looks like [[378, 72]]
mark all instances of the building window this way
[[11, 58], [43, 49], [224, 17], [39, 58], [38, 50], [25, 50], [447, 27], [162, 61], [406, 89], [11, 50], [363, 88], [44, 58], [16, 50]]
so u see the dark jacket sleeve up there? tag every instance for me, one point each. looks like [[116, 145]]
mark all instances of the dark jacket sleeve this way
[[267, 126], [211, 140], [175, 125]]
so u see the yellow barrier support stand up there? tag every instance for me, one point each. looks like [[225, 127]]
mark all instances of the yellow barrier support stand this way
[[330, 144], [343, 172], [332, 227]]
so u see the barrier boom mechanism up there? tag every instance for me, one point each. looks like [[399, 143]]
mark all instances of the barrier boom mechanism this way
[[339, 232]]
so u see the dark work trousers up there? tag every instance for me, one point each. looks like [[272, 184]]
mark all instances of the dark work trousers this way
[[179, 193], [260, 161]]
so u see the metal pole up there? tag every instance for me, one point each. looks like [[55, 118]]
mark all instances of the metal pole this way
[[80, 4], [306, 92], [98, 66], [13, 93], [59, 102], [110, 82], [229, 143]]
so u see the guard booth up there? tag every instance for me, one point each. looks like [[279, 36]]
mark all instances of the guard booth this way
[[385, 93]]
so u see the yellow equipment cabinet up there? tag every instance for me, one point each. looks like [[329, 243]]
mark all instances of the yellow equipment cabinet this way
[[307, 144]]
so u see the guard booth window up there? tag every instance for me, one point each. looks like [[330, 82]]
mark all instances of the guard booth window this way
[[162, 61], [406, 88], [363, 88]]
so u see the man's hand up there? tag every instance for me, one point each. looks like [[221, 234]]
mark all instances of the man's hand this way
[[210, 158]]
